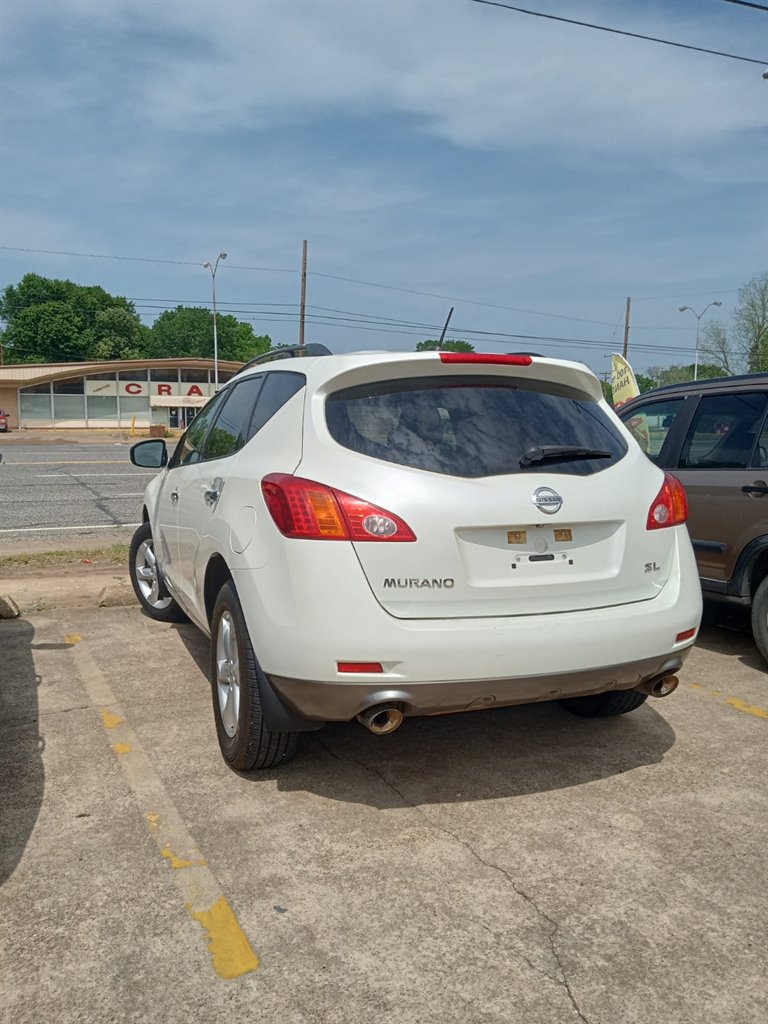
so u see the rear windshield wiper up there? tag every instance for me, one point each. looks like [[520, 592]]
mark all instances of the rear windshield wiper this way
[[560, 453]]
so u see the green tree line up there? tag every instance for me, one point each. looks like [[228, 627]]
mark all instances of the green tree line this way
[[53, 321]]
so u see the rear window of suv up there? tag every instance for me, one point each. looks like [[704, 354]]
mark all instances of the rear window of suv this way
[[472, 426]]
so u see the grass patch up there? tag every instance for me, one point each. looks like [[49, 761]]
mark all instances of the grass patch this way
[[113, 555]]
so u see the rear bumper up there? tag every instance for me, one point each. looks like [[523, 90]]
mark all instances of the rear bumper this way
[[318, 700], [319, 611]]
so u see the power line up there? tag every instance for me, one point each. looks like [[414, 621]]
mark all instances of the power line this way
[[334, 277], [683, 291], [617, 31], [235, 306], [350, 280], [136, 259], [748, 3], [99, 256], [466, 302]]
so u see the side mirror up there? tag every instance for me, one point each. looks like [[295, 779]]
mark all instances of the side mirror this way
[[150, 454]]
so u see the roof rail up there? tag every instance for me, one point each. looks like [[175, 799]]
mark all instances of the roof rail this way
[[288, 352]]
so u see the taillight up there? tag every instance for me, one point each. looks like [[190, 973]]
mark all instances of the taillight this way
[[311, 511], [485, 357], [670, 507]]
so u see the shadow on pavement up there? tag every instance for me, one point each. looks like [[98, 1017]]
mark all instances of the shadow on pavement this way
[[472, 756], [731, 633], [486, 755], [22, 776]]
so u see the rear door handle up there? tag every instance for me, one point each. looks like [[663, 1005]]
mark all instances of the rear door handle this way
[[174, 497], [755, 489], [213, 491]]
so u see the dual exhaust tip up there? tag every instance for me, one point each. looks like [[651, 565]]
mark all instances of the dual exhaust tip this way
[[383, 719]]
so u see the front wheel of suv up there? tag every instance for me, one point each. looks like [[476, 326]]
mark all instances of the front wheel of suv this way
[[146, 580], [760, 618], [604, 705], [246, 743]]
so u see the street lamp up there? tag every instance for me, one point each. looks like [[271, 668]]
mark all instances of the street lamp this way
[[213, 269], [698, 325]]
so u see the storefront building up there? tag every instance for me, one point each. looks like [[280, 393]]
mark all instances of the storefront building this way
[[109, 394]]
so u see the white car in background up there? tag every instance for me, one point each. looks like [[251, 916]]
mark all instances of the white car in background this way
[[381, 535]]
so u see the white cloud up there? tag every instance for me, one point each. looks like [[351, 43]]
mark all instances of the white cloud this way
[[477, 77]]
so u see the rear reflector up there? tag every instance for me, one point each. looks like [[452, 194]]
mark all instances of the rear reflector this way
[[670, 507], [310, 511], [484, 357], [685, 635], [359, 666]]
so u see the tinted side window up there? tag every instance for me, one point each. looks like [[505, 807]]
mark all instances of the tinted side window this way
[[649, 424], [473, 426], [230, 429], [190, 446], [278, 388], [724, 431]]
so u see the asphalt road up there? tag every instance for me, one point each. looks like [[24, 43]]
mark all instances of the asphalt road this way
[[50, 490], [514, 866]]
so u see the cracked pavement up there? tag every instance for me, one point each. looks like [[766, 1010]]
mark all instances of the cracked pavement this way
[[517, 866]]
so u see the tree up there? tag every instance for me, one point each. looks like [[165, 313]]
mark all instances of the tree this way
[[115, 334], [188, 331], [447, 346], [716, 348], [50, 320], [46, 333], [745, 347], [644, 383], [663, 375], [750, 323]]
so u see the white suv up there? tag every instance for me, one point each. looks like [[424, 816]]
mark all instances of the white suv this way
[[379, 535]]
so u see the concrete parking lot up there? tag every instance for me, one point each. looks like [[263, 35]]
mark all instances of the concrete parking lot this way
[[518, 865]]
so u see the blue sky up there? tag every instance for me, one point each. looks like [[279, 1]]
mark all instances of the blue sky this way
[[439, 146]]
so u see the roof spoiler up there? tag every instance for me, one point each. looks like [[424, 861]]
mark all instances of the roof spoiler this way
[[288, 352]]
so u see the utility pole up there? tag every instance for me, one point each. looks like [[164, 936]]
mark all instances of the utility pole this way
[[626, 328], [303, 292]]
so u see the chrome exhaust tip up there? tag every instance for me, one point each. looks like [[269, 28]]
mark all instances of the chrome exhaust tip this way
[[381, 719], [664, 686], [660, 687]]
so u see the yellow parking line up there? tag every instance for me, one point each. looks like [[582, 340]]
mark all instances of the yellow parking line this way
[[749, 709], [231, 952], [734, 702]]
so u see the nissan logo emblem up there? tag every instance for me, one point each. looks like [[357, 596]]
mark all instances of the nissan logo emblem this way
[[547, 500]]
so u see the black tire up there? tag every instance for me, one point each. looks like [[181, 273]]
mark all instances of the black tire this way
[[163, 608], [760, 618], [252, 745], [605, 705]]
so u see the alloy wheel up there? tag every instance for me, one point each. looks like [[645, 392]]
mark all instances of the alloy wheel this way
[[228, 673], [145, 567]]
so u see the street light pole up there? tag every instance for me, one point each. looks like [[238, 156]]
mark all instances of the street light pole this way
[[698, 316], [213, 269]]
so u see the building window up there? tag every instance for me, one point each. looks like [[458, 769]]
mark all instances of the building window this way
[[194, 376], [35, 404], [164, 376], [133, 375], [102, 410], [71, 386]]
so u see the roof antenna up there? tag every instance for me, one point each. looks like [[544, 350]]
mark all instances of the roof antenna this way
[[445, 325]]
